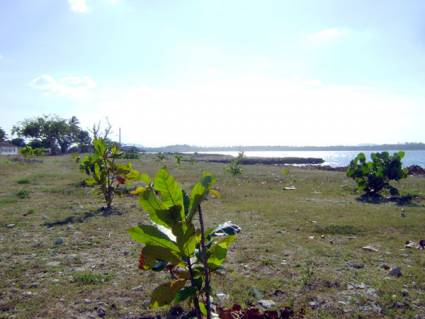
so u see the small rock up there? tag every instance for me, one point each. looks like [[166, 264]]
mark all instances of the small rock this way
[[404, 292], [256, 293], [362, 285], [87, 301], [222, 296], [137, 288], [290, 188], [267, 304], [395, 272], [27, 293], [53, 263], [385, 266], [313, 304], [10, 225], [278, 293], [371, 292], [101, 313], [410, 244], [370, 248], [355, 265], [58, 241], [310, 237], [34, 285]]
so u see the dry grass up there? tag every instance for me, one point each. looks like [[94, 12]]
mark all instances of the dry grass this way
[[73, 269]]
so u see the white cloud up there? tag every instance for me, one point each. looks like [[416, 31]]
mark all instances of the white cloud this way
[[327, 36], [255, 110], [73, 86], [79, 6], [82, 6]]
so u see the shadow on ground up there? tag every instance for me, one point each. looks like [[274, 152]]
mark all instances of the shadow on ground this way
[[406, 200], [82, 218]]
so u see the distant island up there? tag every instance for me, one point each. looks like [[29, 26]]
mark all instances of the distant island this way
[[190, 148]]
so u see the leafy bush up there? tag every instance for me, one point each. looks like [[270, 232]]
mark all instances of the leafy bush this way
[[22, 194], [28, 152], [234, 167], [174, 245], [375, 176], [23, 181], [131, 154], [160, 157], [104, 171]]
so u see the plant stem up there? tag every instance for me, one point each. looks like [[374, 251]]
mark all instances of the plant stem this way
[[205, 262], [195, 298]]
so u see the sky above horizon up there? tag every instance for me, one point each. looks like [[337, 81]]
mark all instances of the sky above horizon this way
[[222, 72]]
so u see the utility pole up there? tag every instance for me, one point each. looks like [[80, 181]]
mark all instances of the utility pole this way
[[120, 135]]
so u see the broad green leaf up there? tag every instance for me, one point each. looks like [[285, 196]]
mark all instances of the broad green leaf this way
[[218, 251], [166, 293], [90, 181], [170, 190], [150, 235], [151, 254], [203, 308], [158, 212], [187, 241], [199, 193], [184, 294], [215, 193], [138, 190]]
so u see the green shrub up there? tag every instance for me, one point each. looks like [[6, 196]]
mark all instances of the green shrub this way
[[234, 167], [104, 171], [28, 152], [173, 244], [130, 155], [22, 194], [373, 177], [178, 158], [23, 181]]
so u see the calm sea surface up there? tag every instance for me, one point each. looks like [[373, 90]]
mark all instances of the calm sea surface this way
[[332, 158]]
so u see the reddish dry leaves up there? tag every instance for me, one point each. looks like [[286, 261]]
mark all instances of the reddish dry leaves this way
[[142, 261], [236, 312]]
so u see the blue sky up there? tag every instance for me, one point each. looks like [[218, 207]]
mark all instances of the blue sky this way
[[219, 72]]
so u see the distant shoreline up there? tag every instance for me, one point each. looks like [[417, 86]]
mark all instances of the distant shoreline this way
[[381, 147]]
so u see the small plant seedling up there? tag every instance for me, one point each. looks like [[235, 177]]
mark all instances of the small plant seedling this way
[[173, 244], [160, 157], [178, 158], [234, 167], [22, 194], [373, 177], [104, 171]]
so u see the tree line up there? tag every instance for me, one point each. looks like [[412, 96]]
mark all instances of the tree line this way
[[52, 132]]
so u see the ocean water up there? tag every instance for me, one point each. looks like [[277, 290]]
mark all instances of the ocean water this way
[[331, 158]]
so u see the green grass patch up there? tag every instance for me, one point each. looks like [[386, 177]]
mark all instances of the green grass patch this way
[[338, 230], [8, 200], [90, 278]]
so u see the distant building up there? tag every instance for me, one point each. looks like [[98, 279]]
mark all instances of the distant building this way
[[8, 149]]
